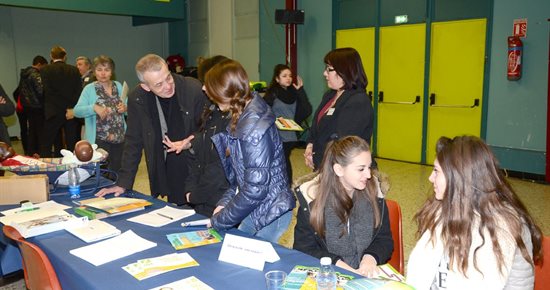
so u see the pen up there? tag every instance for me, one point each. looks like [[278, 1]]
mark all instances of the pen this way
[[165, 216], [28, 209]]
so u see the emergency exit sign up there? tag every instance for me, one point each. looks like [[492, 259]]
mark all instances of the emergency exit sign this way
[[520, 27]]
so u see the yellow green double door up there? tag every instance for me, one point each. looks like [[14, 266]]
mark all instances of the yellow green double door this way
[[406, 115]]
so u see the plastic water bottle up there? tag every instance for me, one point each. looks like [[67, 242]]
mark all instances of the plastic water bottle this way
[[74, 181], [326, 278]]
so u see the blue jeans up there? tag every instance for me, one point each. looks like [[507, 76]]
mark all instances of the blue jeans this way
[[271, 232]]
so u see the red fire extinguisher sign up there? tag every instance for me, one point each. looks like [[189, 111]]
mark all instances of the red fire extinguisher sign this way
[[520, 27]]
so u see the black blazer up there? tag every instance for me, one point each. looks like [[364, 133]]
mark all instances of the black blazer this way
[[353, 115], [62, 88]]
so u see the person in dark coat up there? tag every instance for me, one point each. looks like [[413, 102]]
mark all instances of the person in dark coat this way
[[345, 109], [163, 113], [259, 199], [7, 108], [289, 101], [62, 88], [31, 94], [206, 182], [343, 214]]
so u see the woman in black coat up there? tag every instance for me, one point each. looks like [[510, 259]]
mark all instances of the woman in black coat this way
[[345, 109]]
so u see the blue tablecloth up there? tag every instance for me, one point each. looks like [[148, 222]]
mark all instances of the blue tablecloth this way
[[75, 273]]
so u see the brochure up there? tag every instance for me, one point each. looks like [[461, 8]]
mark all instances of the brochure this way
[[97, 208], [194, 239], [94, 230], [303, 278], [146, 268], [287, 124], [56, 221]]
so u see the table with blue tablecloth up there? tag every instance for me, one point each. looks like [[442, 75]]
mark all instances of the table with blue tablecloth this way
[[75, 273]]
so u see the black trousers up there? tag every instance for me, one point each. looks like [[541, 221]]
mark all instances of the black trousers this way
[[35, 118], [52, 127]]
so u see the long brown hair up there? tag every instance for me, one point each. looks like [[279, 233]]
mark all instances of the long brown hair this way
[[227, 83], [475, 186], [331, 193]]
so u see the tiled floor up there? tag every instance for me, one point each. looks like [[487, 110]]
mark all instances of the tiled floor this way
[[409, 187]]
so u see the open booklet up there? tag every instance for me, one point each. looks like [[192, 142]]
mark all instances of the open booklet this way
[[55, 221], [94, 230]]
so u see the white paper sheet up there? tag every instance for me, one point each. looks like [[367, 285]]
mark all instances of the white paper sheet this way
[[246, 252], [112, 249], [162, 216], [47, 205], [191, 283]]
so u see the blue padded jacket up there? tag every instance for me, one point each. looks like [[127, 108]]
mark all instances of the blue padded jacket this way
[[255, 168]]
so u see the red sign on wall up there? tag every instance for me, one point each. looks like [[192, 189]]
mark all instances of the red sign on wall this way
[[520, 27]]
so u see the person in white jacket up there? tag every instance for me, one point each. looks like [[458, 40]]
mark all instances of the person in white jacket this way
[[474, 232]]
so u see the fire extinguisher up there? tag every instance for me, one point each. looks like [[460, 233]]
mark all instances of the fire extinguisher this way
[[515, 54]]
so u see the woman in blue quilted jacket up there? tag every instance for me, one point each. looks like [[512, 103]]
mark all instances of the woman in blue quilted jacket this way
[[259, 199]]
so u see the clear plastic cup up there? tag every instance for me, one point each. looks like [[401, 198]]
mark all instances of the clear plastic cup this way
[[275, 279]]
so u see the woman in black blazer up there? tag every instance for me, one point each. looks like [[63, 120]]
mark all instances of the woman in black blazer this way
[[345, 108]]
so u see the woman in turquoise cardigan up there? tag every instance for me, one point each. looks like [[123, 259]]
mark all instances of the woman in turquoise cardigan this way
[[103, 110]]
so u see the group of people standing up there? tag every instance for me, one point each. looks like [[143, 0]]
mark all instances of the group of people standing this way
[[212, 143]]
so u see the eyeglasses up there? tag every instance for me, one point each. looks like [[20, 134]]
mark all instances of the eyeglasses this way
[[329, 69]]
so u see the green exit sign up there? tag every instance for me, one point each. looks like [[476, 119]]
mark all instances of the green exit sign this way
[[401, 19]]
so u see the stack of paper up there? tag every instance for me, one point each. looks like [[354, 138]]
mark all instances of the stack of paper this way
[[114, 248], [146, 268], [97, 208], [94, 230], [162, 216]]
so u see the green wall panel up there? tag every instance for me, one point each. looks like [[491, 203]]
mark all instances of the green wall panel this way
[[172, 9], [445, 10], [355, 13]]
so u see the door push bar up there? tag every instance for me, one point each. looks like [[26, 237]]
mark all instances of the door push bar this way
[[432, 104], [381, 100]]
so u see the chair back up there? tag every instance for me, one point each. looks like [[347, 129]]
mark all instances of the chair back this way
[[39, 273], [542, 269], [397, 257]]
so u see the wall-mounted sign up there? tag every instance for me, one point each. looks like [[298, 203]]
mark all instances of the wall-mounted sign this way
[[520, 27], [399, 19]]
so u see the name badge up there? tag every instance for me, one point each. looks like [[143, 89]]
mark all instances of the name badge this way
[[330, 112]]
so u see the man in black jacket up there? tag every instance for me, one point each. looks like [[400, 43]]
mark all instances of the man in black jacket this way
[[62, 88], [163, 108], [31, 94]]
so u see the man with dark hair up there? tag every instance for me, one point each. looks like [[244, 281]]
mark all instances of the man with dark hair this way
[[62, 87], [31, 98]]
